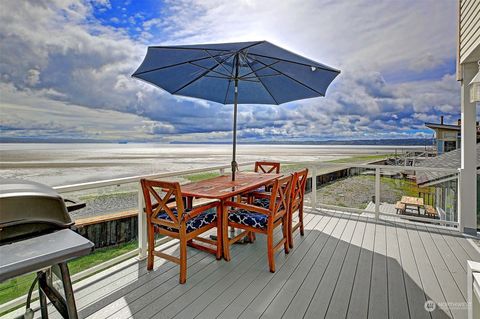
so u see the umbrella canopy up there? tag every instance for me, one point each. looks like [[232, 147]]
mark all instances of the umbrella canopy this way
[[235, 73]]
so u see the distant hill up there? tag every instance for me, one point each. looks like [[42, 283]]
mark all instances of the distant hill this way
[[403, 142], [50, 140]]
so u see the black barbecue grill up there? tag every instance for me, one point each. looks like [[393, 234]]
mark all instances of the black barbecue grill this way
[[35, 236]]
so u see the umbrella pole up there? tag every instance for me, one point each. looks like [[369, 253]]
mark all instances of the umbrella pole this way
[[235, 101]]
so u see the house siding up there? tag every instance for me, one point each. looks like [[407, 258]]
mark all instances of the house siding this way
[[469, 32]]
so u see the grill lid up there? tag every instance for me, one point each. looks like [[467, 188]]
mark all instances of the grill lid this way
[[29, 209]]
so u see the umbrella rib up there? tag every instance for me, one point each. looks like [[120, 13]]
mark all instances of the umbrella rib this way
[[221, 63], [218, 77], [289, 61], [228, 76], [226, 92], [251, 45], [196, 79], [252, 79], [200, 48], [254, 72], [175, 64], [263, 84], [293, 79], [228, 87], [258, 76]]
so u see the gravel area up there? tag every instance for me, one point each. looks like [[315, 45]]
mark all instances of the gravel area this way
[[357, 191]]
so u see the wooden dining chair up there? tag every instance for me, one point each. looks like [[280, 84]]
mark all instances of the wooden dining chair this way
[[167, 216], [262, 220], [299, 181], [260, 167], [267, 167]]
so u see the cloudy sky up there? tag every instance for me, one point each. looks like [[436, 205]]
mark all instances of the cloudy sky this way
[[65, 68]]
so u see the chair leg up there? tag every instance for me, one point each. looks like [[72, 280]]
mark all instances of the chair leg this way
[[151, 245], [270, 252], [251, 237], [286, 234], [300, 218], [183, 260], [226, 242], [219, 234], [289, 230]]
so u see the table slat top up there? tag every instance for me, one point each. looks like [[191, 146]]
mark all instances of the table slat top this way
[[222, 187], [409, 200]]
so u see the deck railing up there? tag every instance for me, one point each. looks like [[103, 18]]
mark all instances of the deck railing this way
[[381, 177], [321, 176], [326, 175]]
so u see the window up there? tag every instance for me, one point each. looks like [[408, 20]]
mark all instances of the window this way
[[449, 146]]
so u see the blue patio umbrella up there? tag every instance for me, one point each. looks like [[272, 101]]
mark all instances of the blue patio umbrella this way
[[235, 73]]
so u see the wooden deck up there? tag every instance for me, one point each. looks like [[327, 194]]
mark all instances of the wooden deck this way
[[346, 266], [386, 208]]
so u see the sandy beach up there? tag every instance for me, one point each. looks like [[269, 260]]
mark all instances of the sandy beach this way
[[63, 164]]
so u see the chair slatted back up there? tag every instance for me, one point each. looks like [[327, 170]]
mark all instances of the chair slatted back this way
[[267, 167], [299, 182], [281, 195], [163, 193]]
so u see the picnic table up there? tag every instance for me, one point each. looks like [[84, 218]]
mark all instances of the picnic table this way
[[415, 202]]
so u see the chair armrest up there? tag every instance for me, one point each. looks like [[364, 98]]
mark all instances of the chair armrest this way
[[253, 208], [200, 209], [261, 194]]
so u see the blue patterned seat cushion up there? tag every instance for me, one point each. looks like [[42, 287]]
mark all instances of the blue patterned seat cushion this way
[[205, 218], [262, 202], [248, 218]]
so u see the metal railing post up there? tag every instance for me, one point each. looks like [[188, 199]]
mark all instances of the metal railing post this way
[[377, 192], [142, 226], [459, 201], [313, 194]]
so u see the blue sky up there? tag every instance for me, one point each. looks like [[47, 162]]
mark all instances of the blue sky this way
[[65, 68]]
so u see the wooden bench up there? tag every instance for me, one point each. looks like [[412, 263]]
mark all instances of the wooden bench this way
[[400, 207], [430, 211]]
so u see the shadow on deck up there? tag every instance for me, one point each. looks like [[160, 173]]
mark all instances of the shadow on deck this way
[[346, 265]]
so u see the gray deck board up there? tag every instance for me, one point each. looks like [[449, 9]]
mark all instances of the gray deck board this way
[[268, 292], [346, 266], [276, 281], [430, 282], [397, 294], [378, 300], [232, 295], [359, 299], [448, 285], [252, 269], [416, 296], [471, 251], [451, 261], [319, 302], [455, 247], [343, 289], [299, 304], [246, 297]]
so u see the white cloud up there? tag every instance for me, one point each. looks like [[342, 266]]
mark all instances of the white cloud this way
[[71, 61], [33, 77], [33, 114], [387, 35]]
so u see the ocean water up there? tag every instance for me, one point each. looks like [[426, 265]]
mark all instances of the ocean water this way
[[63, 164]]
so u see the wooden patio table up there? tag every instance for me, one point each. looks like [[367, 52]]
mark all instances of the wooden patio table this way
[[413, 201], [223, 188]]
